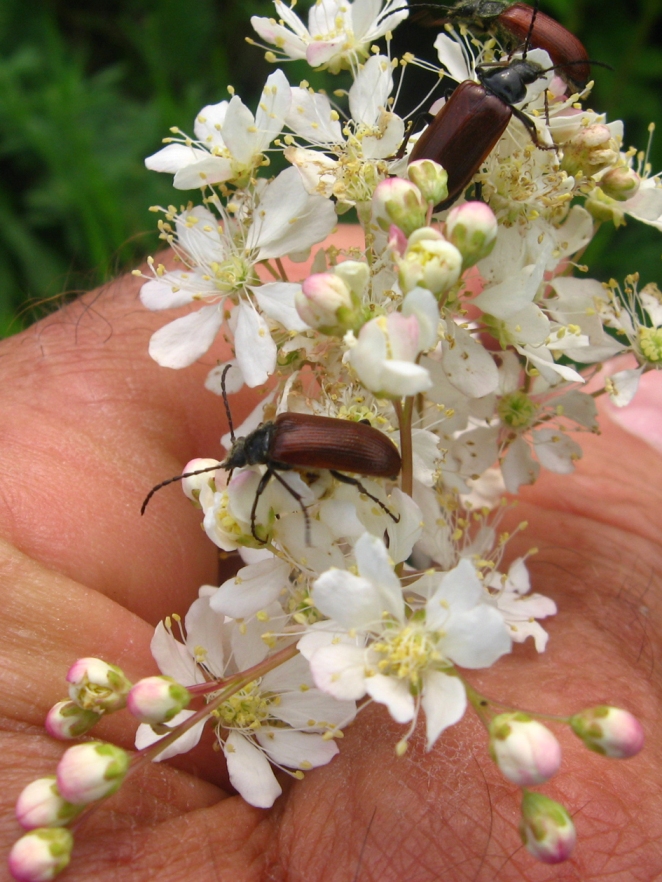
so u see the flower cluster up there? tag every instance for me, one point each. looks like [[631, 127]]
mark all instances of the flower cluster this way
[[459, 335]]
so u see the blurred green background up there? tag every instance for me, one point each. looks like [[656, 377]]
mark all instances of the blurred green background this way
[[87, 90]]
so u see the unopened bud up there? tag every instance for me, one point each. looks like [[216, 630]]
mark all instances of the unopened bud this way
[[157, 699], [328, 302], [546, 828], [91, 771], [430, 178], [66, 720], [472, 228], [399, 202], [41, 855], [620, 183], [589, 151], [525, 751], [97, 686], [41, 805], [610, 731], [193, 485], [429, 262]]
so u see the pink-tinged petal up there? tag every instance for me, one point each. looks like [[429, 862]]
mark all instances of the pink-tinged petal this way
[[276, 34], [290, 219], [296, 750], [321, 52], [394, 694], [173, 658], [252, 589], [180, 343], [255, 349], [444, 702], [146, 737], [250, 772], [208, 170], [339, 670], [174, 157]]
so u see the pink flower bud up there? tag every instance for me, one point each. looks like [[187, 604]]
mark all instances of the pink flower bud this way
[[399, 202], [90, 771], [328, 302], [546, 829], [610, 731], [397, 240], [589, 151], [525, 751], [620, 183], [430, 178], [157, 699], [40, 805], [472, 228], [97, 686], [66, 720], [40, 855], [429, 262], [193, 485]]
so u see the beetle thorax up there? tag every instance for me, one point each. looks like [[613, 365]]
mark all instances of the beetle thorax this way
[[251, 450], [509, 83]]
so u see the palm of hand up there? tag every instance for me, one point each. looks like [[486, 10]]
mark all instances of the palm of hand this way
[[90, 424]]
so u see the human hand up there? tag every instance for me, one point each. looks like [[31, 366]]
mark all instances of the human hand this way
[[90, 424]]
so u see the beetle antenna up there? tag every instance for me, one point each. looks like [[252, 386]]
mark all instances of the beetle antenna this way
[[527, 41], [177, 478], [226, 402]]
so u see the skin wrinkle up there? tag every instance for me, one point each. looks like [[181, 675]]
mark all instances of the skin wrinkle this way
[[437, 815]]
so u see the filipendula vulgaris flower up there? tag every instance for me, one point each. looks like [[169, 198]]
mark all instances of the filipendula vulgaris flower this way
[[278, 718], [220, 243], [402, 655], [637, 316], [338, 36], [346, 160]]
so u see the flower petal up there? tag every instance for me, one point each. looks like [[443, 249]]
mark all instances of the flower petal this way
[[444, 702], [180, 343], [250, 772]]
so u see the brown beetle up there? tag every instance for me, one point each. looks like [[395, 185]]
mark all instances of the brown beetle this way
[[519, 24], [306, 441], [470, 123], [540, 31]]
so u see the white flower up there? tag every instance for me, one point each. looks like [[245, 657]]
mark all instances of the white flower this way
[[230, 141], [339, 32], [519, 608], [279, 718], [360, 149], [384, 355], [402, 658], [221, 261]]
